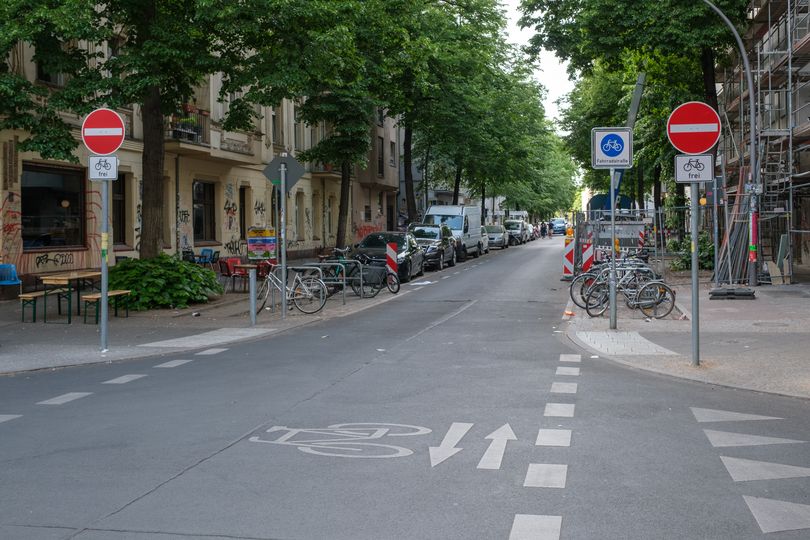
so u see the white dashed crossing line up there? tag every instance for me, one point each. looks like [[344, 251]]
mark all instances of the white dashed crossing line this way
[[564, 388], [572, 371], [65, 398], [546, 475], [124, 379], [570, 358], [172, 363], [7, 417], [565, 410], [553, 437], [530, 527], [210, 351]]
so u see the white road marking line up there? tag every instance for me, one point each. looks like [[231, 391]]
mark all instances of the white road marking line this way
[[723, 439], [65, 398], [565, 410], [7, 417], [571, 371], [553, 437], [172, 363], [775, 516], [418, 288], [546, 475], [210, 352], [493, 457], [214, 337], [124, 379], [745, 470], [445, 277], [714, 415], [447, 448], [532, 527], [564, 388], [444, 319], [570, 358], [456, 273]]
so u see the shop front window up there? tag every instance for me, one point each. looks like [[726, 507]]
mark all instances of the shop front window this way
[[52, 207]]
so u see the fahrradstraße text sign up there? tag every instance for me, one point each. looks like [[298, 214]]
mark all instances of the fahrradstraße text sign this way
[[612, 148], [694, 168]]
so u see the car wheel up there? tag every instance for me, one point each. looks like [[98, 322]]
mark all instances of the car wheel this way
[[477, 251], [452, 258], [463, 256], [440, 264]]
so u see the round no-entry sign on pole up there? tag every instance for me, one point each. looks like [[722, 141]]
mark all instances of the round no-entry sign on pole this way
[[693, 128], [103, 132]]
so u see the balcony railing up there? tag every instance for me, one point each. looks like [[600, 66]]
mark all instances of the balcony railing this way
[[192, 126]]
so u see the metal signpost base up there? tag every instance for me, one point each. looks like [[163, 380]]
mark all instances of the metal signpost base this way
[[252, 280], [612, 279], [695, 279]]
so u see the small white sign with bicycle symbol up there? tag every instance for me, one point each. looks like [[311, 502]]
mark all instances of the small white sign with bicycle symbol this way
[[611, 148], [103, 167], [694, 168]]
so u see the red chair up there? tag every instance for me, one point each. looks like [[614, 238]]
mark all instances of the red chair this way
[[237, 273]]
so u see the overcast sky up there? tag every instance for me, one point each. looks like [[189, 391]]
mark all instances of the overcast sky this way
[[552, 73]]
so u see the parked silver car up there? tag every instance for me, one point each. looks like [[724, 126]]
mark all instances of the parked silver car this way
[[484, 240], [497, 235], [518, 234]]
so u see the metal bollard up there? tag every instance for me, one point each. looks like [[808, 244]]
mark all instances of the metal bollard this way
[[252, 279]]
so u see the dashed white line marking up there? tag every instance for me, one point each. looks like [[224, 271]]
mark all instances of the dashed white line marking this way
[[172, 363], [553, 437], [7, 417], [456, 273], [546, 475], [445, 277], [532, 527], [565, 410], [572, 371], [124, 379], [64, 398], [564, 388], [209, 352], [570, 358], [418, 288]]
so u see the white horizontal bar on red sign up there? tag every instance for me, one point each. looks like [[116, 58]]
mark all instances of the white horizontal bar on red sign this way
[[693, 128], [99, 132]]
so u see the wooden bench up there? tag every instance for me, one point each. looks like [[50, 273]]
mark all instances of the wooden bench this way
[[30, 299], [116, 296]]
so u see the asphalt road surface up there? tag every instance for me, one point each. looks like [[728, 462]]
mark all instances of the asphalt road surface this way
[[457, 410]]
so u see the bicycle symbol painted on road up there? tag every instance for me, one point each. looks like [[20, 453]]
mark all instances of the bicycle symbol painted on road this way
[[346, 440], [693, 164], [612, 145]]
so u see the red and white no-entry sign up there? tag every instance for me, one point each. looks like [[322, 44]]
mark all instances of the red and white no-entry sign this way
[[103, 132], [693, 128]]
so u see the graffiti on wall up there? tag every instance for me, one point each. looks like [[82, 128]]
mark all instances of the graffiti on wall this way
[[55, 259], [232, 246], [183, 216], [12, 228], [258, 209], [138, 224], [230, 214]]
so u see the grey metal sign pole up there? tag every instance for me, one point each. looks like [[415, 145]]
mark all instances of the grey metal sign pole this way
[[612, 279], [716, 232], [252, 280], [283, 171], [695, 282], [105, 230]]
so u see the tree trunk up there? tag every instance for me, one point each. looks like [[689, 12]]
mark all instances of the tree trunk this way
[[483, 202], [657, 194], [709, 87], [407, 163], [640, 186], [152, 163], [457, 184], [343, 210]]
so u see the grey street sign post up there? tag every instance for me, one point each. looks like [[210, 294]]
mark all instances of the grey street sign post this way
[[612, 148], [288, 170]]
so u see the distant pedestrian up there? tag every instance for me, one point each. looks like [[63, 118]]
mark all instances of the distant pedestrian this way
[[543, 230]]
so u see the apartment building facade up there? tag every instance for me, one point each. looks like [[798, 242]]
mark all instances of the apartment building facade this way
[[213, 185]]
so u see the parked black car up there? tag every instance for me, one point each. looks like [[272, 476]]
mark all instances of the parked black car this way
[[410, 257], [438, 243]]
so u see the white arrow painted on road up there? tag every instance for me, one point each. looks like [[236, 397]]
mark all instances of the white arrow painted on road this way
[[448, 447], [494, 455]]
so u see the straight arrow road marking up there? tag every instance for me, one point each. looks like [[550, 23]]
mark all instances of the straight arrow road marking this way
[[493, 457], [722, 439], [745, 470], [7, 417], [714, 415], [447, 448], [775, 516]]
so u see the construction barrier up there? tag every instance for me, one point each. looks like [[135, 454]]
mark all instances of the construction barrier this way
[[391, 257], [568, 259], [641, 239], [587, 256]]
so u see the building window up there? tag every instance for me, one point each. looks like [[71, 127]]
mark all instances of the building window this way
[[317, 213], [47, 77], [119, 210], [296, 130], [52, 207], [204, 216], [392, 161], [380, 156], [299, 216], [243, 202], [329, 212], [380, 116], [274, 127], [367, 213]]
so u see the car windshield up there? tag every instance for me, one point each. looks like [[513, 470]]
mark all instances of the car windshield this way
[[454, 222], [494, 228], [380, 240], [558, 221], [513, 225], [431, 233]]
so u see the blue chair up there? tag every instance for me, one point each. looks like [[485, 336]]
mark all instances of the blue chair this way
[[206, 257], [8, 275]]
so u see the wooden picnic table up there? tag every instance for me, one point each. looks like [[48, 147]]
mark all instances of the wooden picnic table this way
[[66, 279]]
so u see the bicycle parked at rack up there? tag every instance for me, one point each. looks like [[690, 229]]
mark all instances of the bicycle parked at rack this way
[[655, 299], [307, 293], [375, 275]]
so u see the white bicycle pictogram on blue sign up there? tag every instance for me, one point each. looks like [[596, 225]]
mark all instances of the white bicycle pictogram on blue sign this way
[[612, 144]]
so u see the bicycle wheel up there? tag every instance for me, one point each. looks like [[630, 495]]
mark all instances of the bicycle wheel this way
[[656, 300], [392, 282], [309, 295], [598, 299], [261, 295], [577, 285]]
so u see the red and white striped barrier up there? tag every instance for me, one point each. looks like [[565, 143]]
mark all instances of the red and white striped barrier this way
[[587, 256], [640, 239], [568, 259], [391, 257]]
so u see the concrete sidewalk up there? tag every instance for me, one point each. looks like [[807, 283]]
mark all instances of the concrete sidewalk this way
[[29, 346], [761, 344]]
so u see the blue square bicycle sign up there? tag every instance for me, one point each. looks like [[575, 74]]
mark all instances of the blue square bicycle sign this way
[[611, 148]]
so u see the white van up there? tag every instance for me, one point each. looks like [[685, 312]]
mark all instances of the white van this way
[[464, 221]]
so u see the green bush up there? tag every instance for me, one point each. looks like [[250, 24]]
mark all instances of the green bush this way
[[163, 282], [684, 251]]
